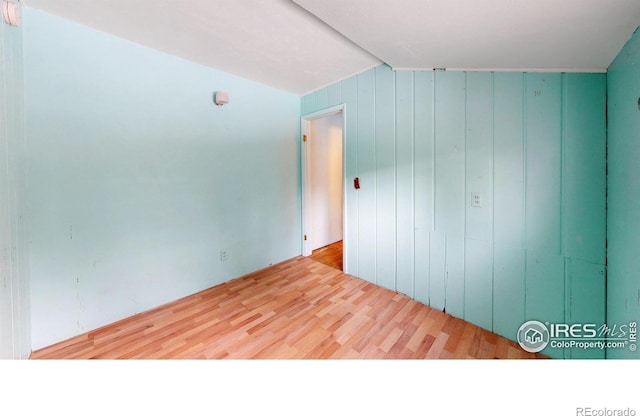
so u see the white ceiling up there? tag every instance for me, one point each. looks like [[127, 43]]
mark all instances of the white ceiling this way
[[274, 42], [279, 43], [558, 35]]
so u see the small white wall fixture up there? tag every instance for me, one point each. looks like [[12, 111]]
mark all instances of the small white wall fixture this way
[[11, 13], [221, 98]]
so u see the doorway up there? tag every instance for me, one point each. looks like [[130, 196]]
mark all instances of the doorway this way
[[323, 186]]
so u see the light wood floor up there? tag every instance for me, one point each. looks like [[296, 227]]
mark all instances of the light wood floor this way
[[297, 309], [330, 255]]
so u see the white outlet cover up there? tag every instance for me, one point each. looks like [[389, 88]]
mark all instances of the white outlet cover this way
[[476, 199]]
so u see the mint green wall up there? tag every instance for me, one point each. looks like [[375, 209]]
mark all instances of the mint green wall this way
[[14, 273], [136, 180], [533, 145], [623, 221]]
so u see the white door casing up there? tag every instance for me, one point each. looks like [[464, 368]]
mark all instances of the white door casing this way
[[317, 173]]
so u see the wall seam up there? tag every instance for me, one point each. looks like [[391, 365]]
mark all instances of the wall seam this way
[[493, 198], [395, 179], [375, 177], [433, 176], [433, 152], [566, 261], [524, 190], [413, 183], [465, 208], [563, 98]]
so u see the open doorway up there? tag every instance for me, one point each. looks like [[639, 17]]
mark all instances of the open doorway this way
[[323, 186]]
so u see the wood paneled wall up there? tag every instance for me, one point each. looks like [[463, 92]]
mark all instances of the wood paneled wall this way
[[623, 230], [532, 145], [14, 296]]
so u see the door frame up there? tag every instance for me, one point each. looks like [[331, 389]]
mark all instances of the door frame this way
[[305, 128]]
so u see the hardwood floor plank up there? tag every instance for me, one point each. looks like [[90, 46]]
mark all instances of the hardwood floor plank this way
[[298, 309], [438, 345], [330, 255], [391, 339], [418, 337], [425, 346]]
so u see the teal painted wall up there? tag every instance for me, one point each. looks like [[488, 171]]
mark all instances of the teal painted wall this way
[[14, 272], [532, 145], [136, 180], [623, 221]]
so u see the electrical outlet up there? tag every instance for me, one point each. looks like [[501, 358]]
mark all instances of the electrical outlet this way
[[224, 254], [476, 199]]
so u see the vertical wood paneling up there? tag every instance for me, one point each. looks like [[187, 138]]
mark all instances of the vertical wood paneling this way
[[423, 168], [449, 181], [623, 190], [386, 178], [545, 290], [437, 270], [21, 317], [6, 322], [449, 157], [532, 145], [545, 278], [584, 201], [584, 167], [350, 98], [404, 183], [321, 99], [367, 175], [543, 153], [479, 220], [14, 296], [508, 160], [508, 290], [308, 104], [7, 341], [479, 155], [587, 300], [508, 204], [454, 279], [545, 287], [334, 94], [478, 307]]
